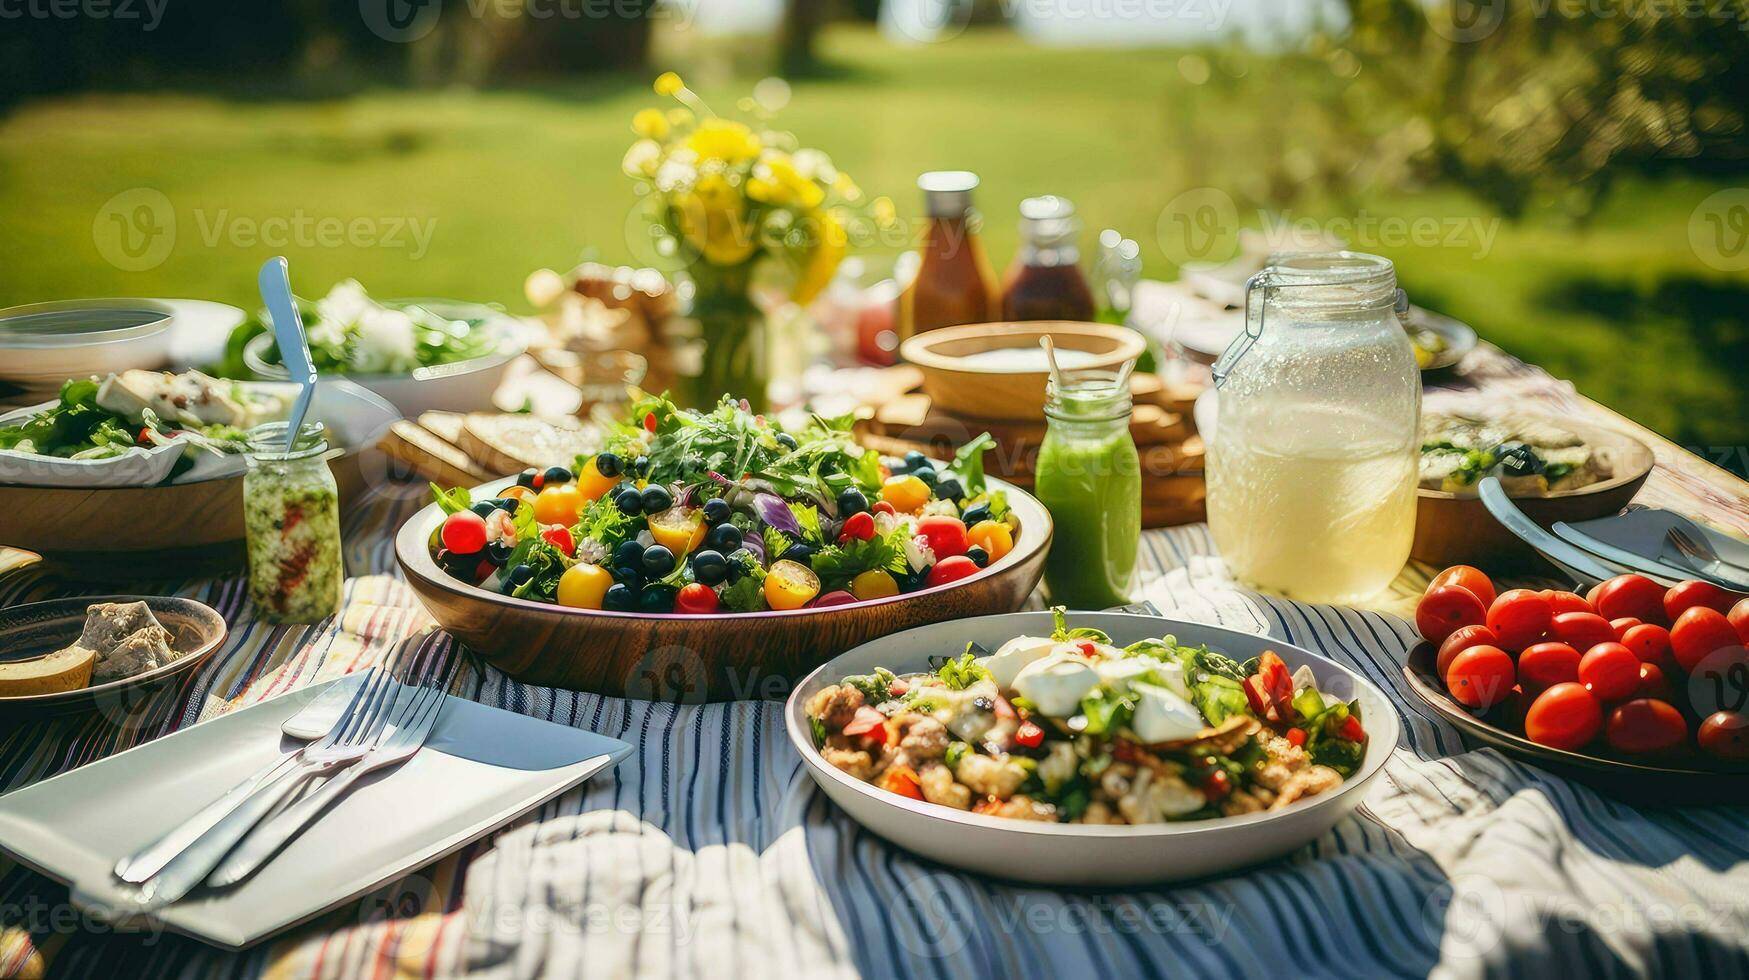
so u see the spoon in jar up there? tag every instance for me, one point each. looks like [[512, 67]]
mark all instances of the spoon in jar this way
[[1051, 356], [289, 338]]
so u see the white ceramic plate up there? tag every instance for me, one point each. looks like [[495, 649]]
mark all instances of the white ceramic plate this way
[[482, 768], [1069, 854], [354, 415]]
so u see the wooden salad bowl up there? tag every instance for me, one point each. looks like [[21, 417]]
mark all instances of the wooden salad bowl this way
[[960, 387], [690, 658], [1456, 529]]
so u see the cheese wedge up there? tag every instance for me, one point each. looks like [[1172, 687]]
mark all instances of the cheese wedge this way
[[63, 670]]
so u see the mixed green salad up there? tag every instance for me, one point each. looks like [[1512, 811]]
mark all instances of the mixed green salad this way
[[351, 333], [727, 511], [1072, 728], [103, 418]]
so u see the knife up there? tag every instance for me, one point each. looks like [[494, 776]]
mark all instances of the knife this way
[[1640, 563]]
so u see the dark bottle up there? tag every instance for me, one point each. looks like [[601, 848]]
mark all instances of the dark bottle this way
[[1045, 281]]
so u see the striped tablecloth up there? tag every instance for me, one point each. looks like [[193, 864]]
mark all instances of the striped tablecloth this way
[[710, 852]]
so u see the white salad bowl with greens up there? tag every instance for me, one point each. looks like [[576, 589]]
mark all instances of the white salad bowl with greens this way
[[1080, 854]]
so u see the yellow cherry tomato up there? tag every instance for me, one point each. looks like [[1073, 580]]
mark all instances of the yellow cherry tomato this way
[[790, 585], [876, 583], [583, 586], [558, 504], [906, 493], [995, 537], [679, 529], [592, 484]]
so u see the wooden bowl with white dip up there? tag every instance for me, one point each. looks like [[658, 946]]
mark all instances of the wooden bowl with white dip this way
[[998, 370]]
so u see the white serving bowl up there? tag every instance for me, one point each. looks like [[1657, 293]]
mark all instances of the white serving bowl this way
[[1073, 854], [44, 344]]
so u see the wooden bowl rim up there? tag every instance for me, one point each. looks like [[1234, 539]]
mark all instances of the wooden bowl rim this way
[[1587, 431], [211, 626], [920, 350], [416, 561]]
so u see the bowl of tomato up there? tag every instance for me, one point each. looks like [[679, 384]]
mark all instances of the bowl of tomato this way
[[1638, 689]]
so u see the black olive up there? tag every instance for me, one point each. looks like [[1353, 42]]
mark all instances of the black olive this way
[[620, 598], [641, 466], [950, 489], [927, 474], [608, 464], [716, 511], [507, 504], [976, 514], [915, 460], [983, 704], [851, 501], [979, 556], [786, 440], [798, 552], [484, 508], [630, 502], [529, 478], [520, 574], [629, 553], [631, 575], [657, 499], [556, 475], [1520, 460], [657, 561], [498, 552], [724, 538], [710, 567], [656, 599]]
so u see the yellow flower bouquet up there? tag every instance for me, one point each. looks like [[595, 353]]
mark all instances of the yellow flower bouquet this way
[[721, 196]]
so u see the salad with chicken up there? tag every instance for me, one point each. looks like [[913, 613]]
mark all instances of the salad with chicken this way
[[1074, 729], [727, 511]]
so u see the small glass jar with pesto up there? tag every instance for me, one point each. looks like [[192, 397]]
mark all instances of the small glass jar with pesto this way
[[1090, 478], [291, 521]]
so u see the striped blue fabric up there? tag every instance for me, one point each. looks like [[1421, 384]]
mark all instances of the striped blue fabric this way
[[710, 852]]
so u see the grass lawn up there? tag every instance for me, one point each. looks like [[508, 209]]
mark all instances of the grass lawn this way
[[506, 181]]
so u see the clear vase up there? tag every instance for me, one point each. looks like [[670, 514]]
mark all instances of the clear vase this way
[[733, 359]]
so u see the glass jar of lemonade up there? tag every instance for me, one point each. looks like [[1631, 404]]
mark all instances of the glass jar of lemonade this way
[[1312, 465]]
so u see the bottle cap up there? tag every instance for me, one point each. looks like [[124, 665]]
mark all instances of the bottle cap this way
[[1048, 221], [947, 193]]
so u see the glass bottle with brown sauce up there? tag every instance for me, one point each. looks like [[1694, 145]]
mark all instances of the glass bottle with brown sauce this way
[[954, 283], [1045, 281]]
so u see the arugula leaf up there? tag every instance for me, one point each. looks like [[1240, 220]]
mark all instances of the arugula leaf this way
[[875, 687], [1062, 632], [453, 501], [837, 564], [968, 464], [962, 673]]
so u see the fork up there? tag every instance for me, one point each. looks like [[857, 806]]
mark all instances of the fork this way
[[406, 734], [1703, 559], [348, 742]]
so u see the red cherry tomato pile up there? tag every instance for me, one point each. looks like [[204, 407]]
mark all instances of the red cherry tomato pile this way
[[1632, 667]]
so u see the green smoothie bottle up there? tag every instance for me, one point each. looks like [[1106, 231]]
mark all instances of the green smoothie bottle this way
[[1090, 479]]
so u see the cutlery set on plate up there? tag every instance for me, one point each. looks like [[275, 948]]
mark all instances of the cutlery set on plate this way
[[384, 724]]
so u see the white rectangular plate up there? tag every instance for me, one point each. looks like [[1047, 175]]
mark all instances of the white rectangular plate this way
[[482, 768]]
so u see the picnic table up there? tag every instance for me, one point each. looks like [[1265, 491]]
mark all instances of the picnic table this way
[[710, 852]]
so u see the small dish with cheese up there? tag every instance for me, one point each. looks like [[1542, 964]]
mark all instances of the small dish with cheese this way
[[68, 653]]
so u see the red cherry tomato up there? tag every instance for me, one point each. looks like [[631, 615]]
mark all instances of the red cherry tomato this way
[[952, 570], [1686, 595], [464, 532], [1698, 632], [1460, 640], [559, 537], [1622, 625], [1445, 609], [1645, 725], [1029, 735], [1543, 665], [1725, 735], [1739, 618], [1649, 641], [649, 421], [1480, 676], [1582, 630], [1567, 602], [947, 535], [883, 507], [1591, 594], [1464, 576], [1519, 617], [697, 599], [1630, 595], [860, 526], [1610, 671], [1653, 684], [1565, 716]]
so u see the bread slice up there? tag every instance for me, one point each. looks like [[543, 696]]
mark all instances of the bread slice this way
[[444, 425], [431, 456], [63, 670], [505, 444]]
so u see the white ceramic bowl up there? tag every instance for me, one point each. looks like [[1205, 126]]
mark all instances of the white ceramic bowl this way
[[461, 386], [1071, 854], [44, 344]]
